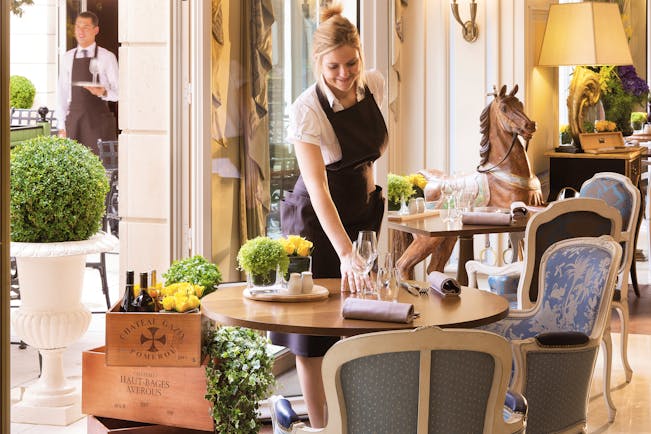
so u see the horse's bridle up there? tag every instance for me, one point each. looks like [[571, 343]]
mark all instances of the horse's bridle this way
[[495, 166]]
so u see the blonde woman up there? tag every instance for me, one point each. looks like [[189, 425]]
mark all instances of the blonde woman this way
[[338, 132]]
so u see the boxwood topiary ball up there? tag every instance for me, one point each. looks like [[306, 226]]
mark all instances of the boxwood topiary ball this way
[[58, 187], [21, 92]]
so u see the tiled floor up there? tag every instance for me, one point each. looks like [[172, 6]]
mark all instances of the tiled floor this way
[[633, 400]]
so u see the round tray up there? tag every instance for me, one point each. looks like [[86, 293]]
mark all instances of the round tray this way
[[318, 293]]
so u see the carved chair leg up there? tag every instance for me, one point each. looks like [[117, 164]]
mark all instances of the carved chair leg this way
[[607, 350]]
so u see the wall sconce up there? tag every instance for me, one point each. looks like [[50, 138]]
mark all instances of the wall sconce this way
[[470, 29]]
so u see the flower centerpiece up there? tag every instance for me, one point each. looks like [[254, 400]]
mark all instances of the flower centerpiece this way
[[261, 257], [638, 119], [196, 270], [399, 189], [565, 134], [622, 91], [299, 251]]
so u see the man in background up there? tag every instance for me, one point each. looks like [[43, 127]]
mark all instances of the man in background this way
[[88, 78]]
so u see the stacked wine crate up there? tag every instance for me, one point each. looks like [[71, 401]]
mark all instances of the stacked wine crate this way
[[149, 372]]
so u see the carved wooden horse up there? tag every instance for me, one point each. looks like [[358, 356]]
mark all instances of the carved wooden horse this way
[[505, 165]]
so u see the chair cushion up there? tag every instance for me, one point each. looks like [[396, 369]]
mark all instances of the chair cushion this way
[[562, 339]]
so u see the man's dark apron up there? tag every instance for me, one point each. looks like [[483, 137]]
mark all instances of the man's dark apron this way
[[89, 117], [362, 135]]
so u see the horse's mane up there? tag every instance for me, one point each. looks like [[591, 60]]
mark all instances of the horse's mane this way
[[485, 124]]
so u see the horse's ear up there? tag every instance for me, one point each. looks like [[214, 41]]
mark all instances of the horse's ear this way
[[503, 90], [514, 90]]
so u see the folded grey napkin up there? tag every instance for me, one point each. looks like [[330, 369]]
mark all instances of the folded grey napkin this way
[[443, 284], [376, 310], [518, 209], [485, 218]]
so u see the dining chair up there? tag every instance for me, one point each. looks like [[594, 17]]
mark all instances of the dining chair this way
[[427, 380], [619, 192], [575, 217], [108, 154], [555, 343]]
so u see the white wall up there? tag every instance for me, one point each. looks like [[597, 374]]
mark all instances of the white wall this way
[[34, 49], [445, 81], [145, 143]]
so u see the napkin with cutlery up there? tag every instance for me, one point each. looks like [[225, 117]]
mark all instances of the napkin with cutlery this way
[[485, 218], [376, 310], [443, 284]]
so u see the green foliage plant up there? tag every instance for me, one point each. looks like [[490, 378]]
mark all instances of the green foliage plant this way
[[196, 270], [238, 375], [58, 188], [262, 255], [638, 119], [21, 92], [399, 187]]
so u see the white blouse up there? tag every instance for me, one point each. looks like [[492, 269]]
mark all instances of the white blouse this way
[[308, 122]]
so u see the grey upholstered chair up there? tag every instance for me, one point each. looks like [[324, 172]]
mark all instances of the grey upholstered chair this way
[[555, 344], [427, 380]]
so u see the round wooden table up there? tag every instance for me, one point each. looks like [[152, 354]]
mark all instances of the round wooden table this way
[[228, 306]]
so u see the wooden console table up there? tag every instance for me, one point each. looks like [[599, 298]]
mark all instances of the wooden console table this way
[[571, 170]]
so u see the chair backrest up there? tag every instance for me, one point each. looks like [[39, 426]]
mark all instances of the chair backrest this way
[[577, 281], [427, 380], [31, 117], [108, 153], [561, 220], [619, 192]]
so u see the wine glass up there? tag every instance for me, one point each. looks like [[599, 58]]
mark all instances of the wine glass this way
[[93, 68], [362, 260], [387, 280]]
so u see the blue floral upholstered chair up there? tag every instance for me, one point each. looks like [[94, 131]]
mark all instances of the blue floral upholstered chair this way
[[563, 219], [555, 343], [618, 191], [426, 380]]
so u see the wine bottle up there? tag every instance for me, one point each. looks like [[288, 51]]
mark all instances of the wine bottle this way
[[144, 302], [127, 298]]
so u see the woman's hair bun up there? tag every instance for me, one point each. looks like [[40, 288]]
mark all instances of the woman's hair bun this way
[[331, 11]]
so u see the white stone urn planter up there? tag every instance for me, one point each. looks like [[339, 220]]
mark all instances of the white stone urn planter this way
[[50, 318]]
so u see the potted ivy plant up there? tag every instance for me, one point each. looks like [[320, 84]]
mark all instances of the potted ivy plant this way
[[262, 258], [57, 196], [238, 376]]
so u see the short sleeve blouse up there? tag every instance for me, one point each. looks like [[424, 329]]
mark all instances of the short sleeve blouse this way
[[308, 122]]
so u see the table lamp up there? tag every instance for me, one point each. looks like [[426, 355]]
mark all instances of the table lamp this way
[[583, 34]]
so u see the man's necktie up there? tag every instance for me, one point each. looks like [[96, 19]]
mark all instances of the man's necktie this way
[[84, 53]]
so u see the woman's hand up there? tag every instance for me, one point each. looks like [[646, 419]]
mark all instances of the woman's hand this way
[[350, 280]]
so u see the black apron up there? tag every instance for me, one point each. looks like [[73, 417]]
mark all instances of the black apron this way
[[89, 117], [362, 135]]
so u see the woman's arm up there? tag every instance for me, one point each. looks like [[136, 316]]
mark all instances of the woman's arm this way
[[310, 162]]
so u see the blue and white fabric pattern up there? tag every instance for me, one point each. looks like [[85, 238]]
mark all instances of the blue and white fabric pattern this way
[[574, 278]]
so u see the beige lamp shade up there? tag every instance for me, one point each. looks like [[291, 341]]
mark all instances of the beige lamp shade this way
[[584, 34]]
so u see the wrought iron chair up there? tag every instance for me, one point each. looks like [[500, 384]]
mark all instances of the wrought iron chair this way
[[108, 153], [427, 380], [555, 344]]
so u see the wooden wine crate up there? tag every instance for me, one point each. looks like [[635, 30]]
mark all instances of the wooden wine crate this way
[[105, 425], [168, 396], [152, 339]]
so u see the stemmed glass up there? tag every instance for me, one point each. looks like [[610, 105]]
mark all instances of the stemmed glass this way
[[364, 256], [93, 68]]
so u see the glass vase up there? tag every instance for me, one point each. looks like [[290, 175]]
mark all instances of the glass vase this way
[[404, 209], [257, 280], [298, 264]]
